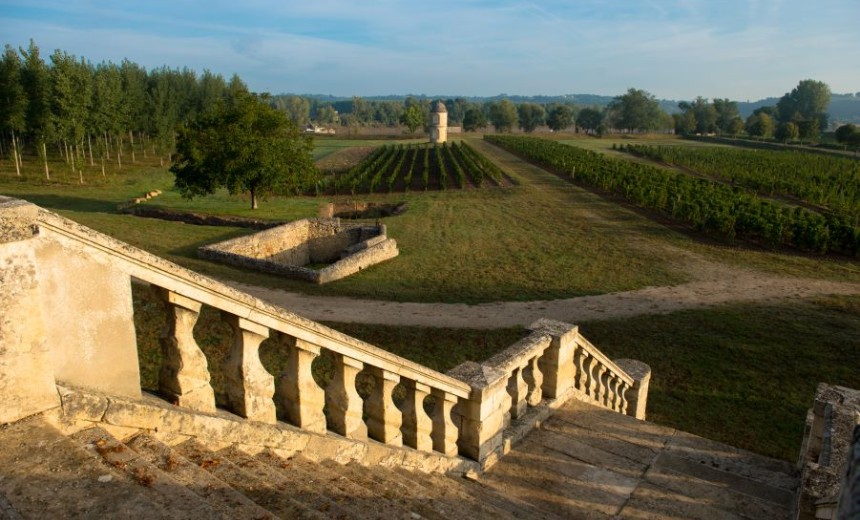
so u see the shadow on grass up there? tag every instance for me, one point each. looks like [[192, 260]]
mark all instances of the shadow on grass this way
[[67, 203]]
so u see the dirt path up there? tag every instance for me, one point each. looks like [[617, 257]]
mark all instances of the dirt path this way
[[714, 285], [710, 284]]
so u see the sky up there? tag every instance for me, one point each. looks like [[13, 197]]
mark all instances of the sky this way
[[675, 49]]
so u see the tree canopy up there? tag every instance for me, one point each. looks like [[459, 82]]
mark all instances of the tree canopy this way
[[559, 117], [806, 102], [474, 119], [243, 145], [636, 110], [531, 115], [503, 115], [413, 117]]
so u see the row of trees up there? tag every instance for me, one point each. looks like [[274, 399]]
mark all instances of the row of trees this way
[[99, 111], [799, 114]]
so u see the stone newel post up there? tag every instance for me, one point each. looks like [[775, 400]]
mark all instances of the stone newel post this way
[[637, 397], [481, 417], [557, 363]]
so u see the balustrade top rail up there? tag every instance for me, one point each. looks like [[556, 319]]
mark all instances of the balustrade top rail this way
[[165, 274], [608, 363]]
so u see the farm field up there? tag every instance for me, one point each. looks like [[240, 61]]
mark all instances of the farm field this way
[[404, 167], [831, 182], [542, 239], [710, 207]]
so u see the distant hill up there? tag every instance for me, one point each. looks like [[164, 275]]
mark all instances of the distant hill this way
[[844, 108]]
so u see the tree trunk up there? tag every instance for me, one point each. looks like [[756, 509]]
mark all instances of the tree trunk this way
[[15, 154], [45, 159], [75, 162], [90, 146], [103, 166], [107, 146], [253, 199], [131, 140]]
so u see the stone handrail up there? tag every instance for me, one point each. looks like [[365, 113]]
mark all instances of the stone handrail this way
[[184, 376]]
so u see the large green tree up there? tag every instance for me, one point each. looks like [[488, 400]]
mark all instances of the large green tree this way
[[244, 145], [413, 117], [589, 119], [531, 115], [503, 115], [559, 117], [474, 119], [760, 125], [637, 110], [806, 102]]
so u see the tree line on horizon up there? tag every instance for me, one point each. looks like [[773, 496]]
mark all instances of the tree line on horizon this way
[[87, 111]]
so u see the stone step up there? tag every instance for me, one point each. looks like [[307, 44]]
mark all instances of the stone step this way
[[477, 491], [350, 495], [216, 492], [281, 500], [447, 491], [558, 484], [380, 481], [305, 488], [165, 491], [44, 474]]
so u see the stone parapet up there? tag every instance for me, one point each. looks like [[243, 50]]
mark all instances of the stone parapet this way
[[826, 452]]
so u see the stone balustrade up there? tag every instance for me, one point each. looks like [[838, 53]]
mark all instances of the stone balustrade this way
[[554, 362], [465, 412]]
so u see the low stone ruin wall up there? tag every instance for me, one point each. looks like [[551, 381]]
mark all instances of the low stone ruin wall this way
[[288, 249]]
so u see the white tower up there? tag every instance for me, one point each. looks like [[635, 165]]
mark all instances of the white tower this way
[[439, 123]]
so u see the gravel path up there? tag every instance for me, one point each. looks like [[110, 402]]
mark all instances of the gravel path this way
[[718, 286]]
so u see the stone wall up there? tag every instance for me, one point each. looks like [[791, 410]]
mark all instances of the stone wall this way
[[287, 250], [826, 451]]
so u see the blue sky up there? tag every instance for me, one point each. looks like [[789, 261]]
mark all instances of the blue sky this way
[[675, 49]]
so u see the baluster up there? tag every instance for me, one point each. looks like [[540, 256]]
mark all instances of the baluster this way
[[344, 403], [445, 432], [606, 395], [613, 400], [249, 387], [534, 380], [622, 393], [383, 417], [300, 397], [598, 392], [184, 376], [417, 425], [588, 385], [518, 389], [581, 373]]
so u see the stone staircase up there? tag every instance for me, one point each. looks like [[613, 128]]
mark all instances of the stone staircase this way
[[583, 462]]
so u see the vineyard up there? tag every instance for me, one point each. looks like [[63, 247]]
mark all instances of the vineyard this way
[[832, 182], [405, 167], [711, 207]]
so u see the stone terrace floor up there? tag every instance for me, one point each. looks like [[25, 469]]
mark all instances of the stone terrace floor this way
[[586, 462]]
